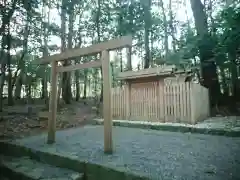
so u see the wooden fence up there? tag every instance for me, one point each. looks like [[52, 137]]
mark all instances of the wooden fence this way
[[171, 101]]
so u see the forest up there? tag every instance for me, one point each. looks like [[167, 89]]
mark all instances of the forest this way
[[203, 35]]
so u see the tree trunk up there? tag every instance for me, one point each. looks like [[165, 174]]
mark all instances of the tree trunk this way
[[2, 79], [224, 84], [44, 93], [18, 88], [206, 46], [234, 77], [85, 84], [147, 27], [77, 75], [95, 76], [210, 10], [6, 18], [99, 39], [45, 51], [77, 78], [28, 88], [172, 28], [234, 80], [131, 10], [129, 59], [165, 30], [67, 92], [121, 66], [3, 70], [22, 73], [77, 85], [10, 96]]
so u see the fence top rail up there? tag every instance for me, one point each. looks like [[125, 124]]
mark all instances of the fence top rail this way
[[125, 41]]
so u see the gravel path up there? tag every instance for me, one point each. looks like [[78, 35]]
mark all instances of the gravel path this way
[[155, 154]]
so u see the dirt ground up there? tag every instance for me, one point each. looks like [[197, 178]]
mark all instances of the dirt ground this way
[[17, 122]]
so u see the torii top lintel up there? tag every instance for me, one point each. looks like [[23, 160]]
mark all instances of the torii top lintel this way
[[125, 41]]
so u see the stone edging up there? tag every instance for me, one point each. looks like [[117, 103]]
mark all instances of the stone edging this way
[[172, 128], [90, 171]]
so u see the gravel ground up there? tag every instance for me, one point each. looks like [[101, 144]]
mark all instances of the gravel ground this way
[[155, 154]]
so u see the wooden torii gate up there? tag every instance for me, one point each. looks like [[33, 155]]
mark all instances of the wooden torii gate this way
[[103, 48]]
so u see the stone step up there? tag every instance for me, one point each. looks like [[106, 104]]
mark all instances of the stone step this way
[[24, 168]]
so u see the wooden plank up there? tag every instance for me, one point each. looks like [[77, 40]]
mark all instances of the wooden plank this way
[[133, 103], [174, 84], [186, 101], [171, 101], [193, 105], [107, 111], [53, 105], [93, 49], [128, 100], [91, 64], [166, 101], [161, 98], [188, 95], [181, 103]]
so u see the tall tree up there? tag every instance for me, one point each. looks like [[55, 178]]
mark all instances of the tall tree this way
[[147, 26], [172, 27], [165, 25], [22, 75], [98, 29], [206, 52], [2, 72], [66, 78], [7, 12], [45, 22], [10, 95]]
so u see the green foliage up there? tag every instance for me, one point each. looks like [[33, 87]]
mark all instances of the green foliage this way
[[228, 34], [119, 18]]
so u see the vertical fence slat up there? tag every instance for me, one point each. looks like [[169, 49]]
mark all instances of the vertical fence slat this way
[[165, 102], [132, 103], [156, 101], [161, 97], [174, 102], [189, 101], [178, 103], [192, 101], [181, 103]]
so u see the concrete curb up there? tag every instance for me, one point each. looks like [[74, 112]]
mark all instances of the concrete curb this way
[[25, 168], [10, 173], [173, 128], [91, 171]]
